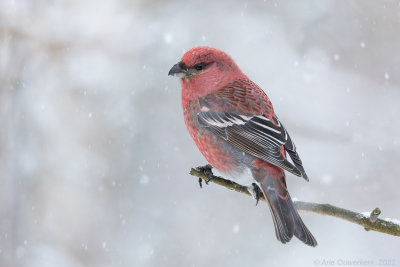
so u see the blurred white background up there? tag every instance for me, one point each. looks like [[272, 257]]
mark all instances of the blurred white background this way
[[94, 154]]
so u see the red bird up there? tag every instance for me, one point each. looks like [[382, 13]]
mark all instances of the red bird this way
[[234, 125]]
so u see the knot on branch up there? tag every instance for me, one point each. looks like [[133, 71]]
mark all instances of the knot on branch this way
[[374, 215]]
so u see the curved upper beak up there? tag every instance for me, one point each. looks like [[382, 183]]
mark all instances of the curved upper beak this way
[[177, 71]]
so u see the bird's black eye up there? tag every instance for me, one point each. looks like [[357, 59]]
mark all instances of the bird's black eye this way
[[199, 66]]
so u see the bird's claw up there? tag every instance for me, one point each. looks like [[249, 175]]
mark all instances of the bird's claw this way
[[255, 192], [207, 170]]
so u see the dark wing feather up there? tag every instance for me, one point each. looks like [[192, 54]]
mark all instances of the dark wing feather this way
[[291, 149]]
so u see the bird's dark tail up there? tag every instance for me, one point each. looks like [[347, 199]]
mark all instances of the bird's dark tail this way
[[286, 219]]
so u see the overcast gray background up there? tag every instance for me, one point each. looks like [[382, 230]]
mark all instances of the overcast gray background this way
[[94, 154]]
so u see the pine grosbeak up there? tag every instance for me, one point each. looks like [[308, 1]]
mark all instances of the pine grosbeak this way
[[233, 124]]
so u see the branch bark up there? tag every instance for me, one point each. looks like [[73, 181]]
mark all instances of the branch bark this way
[[368, 221]]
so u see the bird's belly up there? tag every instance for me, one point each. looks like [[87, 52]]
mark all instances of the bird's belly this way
[[225, 158], [218, 154], [242, 176]]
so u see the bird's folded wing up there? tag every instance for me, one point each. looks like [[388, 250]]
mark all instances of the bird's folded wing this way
[[254, 134]]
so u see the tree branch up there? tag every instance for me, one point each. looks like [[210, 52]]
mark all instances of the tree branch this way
[[368, 221]]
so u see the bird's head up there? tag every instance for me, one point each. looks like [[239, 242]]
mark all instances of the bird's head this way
[[204, 69]]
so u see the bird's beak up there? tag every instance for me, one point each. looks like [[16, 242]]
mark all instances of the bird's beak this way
[[177, 71]]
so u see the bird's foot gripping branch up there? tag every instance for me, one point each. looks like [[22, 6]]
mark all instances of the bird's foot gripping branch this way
[[207, 170], [369, 220]]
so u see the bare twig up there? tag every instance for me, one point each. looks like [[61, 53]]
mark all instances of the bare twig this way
[[368, 221]]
